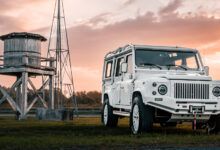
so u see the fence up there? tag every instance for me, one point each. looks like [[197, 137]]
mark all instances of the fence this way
[[82, 111]]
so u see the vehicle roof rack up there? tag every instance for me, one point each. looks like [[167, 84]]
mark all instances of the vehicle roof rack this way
[[119, 51]]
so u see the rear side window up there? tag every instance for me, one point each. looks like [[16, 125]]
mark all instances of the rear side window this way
[[108, 71], [118, 69], [130, 64]]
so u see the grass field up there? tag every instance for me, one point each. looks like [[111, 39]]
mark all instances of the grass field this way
[[89, 132]]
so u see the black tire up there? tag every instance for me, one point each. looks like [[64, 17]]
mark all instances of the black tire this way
[[145, 119], [112, 120], [168, 124], [214, 124]]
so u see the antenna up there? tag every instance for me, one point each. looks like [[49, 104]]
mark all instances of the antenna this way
[[59, 48]]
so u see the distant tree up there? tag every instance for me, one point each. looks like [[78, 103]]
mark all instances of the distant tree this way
[[82, 97], [88, 98]]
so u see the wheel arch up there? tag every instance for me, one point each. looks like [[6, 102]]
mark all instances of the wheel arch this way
[[105, 97], [136, 93]]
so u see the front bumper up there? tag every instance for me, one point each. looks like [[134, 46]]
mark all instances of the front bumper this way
[[189, 118], [184, 107]]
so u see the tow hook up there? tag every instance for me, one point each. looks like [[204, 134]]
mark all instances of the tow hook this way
[[194, 123]]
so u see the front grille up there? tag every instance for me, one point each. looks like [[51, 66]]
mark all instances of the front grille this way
[[191, 91]]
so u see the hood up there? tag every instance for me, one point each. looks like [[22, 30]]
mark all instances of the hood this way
[[196, 77]]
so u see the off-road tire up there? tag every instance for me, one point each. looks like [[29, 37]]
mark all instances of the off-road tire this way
[[145, 116], [214, 124], [111, 120]]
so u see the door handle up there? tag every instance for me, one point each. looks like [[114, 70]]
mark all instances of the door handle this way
[[122, 87]]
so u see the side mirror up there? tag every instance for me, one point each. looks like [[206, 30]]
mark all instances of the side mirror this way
[[206, 70], [124, 67]]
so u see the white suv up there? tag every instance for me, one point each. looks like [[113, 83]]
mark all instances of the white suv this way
[[157, 84]]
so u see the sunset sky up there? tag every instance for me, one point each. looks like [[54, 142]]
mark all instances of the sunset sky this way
[[96, 27]]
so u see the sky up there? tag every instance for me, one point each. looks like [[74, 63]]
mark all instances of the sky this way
[[96, 27]]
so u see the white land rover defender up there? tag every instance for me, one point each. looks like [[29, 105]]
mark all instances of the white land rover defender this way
[[157, 84]]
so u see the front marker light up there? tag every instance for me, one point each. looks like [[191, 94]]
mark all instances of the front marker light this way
[[162, 89], [216, 91], [154, 84]]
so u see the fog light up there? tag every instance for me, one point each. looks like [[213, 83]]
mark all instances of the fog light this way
[[154, 93], [154, 84]]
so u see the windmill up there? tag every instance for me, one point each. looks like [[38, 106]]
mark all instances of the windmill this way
[[59, 48]]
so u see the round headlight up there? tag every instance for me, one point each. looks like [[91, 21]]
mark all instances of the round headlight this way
[[216, 91], [162, 89]]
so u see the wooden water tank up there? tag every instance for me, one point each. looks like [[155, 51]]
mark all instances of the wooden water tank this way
[[16, 45]]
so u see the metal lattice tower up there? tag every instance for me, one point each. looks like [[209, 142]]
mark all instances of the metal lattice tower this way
[[59, 49]]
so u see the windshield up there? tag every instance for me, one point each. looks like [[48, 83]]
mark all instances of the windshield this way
[[167, 59]]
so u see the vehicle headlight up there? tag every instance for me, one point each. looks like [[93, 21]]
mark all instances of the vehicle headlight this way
[[216, 91], [162, 89]]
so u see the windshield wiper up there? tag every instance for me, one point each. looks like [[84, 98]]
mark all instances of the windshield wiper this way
[[149, 64], [184, 67], [181, 66]]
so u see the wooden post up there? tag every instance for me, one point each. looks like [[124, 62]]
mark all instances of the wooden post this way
[[43, 92], [18, 98], [51, 88], [24, 95]]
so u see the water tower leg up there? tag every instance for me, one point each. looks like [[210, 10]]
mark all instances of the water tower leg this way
[[18, 98], [51, 92], [24, 95], [51, 87]]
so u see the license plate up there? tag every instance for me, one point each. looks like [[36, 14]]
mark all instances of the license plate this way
[[197, 109]]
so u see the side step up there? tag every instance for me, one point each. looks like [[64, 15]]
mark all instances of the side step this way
[[121, 113]]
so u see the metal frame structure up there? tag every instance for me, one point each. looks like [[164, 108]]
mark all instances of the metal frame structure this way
[[62, 55], [22, 105]]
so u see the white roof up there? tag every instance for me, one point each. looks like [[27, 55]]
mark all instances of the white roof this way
[[168, 48], [147, 47]]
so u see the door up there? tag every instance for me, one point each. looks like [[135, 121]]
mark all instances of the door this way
[[107, 84], [127, 84], [117, 81]]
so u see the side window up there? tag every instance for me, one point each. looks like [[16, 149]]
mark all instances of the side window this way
[[130, 64], [118, 68], [108, 71]]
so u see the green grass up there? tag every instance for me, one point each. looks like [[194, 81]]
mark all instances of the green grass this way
[[89, 132]]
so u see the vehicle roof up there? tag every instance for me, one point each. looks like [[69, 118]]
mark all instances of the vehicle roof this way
[[126, 48]]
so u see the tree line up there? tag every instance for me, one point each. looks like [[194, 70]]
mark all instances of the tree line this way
[[91, 98]]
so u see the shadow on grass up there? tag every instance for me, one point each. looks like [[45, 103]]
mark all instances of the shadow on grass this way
[[84, 127], [90, 132]]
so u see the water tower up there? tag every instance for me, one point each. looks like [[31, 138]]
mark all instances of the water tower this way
[[22, 59]]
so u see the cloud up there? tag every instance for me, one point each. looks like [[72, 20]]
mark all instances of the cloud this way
[[209, 45], [7, 5], [89, 45], [97, 20], [129, 2], [171, 7]]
